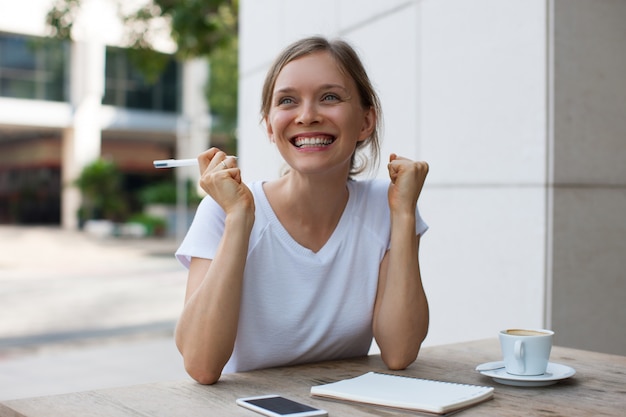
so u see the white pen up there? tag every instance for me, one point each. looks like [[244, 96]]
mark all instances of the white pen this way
[[174, 163]]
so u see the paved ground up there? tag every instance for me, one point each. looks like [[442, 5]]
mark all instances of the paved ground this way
[[79, 312]]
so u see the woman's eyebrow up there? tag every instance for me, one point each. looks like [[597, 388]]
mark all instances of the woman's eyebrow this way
[[331, 86], [287, 90]]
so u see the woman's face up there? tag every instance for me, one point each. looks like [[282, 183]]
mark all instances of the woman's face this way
[[316, 118]]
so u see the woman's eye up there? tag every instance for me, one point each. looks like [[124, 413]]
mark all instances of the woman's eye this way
[[330, 97], [285, 100]]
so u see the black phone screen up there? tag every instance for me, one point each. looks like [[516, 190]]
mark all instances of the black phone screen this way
[[281, 405]]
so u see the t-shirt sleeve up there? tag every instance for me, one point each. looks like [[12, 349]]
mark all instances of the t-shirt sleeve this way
[[420, 225], [379, 190], [204, 234]]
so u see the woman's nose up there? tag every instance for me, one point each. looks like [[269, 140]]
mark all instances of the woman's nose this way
[[308, 114]]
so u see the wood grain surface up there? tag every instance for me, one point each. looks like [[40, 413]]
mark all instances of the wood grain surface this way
[[597, 389]]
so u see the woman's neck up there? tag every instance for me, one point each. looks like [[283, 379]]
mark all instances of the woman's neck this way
[[308, 209]]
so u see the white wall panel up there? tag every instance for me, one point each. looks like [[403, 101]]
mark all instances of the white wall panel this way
[[482, 260], [259, 33], [360, 13], [306, 17], [484, 91]]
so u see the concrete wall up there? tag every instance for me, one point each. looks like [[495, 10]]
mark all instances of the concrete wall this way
[[589, 174], [470, 87]]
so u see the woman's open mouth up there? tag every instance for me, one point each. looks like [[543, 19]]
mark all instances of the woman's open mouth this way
[[312, 142]]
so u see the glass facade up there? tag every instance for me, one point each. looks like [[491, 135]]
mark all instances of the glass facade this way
[[33, 68], [125, 86], [38, 68]]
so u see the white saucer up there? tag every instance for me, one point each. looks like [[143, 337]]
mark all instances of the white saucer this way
[[554, 374]]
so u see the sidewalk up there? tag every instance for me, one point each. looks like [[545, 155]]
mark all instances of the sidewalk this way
[[79, 312]]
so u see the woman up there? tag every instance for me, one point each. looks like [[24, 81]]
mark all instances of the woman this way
[[309, 266]]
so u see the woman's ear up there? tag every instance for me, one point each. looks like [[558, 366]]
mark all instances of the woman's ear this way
[[369, 124]]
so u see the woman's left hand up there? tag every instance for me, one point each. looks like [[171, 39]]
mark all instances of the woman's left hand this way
[[407, 179]]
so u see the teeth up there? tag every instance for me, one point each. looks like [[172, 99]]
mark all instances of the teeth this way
[[311, 142]]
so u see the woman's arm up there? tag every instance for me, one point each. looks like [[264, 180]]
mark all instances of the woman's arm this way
[[401, 313], [207, 328]]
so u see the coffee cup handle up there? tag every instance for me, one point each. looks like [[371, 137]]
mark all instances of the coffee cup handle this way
[[519, 354]]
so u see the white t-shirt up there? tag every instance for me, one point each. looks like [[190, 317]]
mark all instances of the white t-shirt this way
[[297, 305]]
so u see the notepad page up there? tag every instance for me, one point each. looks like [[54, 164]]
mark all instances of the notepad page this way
[[404, 392]]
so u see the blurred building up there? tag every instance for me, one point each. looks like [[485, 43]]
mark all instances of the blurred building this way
[[65, 104], [519, 106]]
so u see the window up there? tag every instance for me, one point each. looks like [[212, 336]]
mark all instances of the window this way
[[33, 68], [126, 87]]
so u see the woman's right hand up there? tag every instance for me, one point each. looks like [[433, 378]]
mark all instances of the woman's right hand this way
[[220, 177]]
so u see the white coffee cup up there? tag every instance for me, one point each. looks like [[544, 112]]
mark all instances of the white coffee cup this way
[[526, 351]]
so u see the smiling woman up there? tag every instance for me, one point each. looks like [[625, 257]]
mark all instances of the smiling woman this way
[[314, 103], [350, 70], [312, 265]]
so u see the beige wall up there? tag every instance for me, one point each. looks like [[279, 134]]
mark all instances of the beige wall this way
[[589, 175]]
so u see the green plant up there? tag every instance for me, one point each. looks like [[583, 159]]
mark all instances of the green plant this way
[[100, 184], [155, 226], [165, 193], [159, 193]]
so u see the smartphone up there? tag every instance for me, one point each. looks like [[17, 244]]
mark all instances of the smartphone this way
[[276, 406]]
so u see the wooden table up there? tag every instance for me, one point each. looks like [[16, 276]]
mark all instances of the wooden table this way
[[597, 389]]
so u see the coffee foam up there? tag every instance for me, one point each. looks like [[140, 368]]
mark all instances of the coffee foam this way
[[524, 332]]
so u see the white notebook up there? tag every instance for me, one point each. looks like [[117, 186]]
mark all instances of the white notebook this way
[[405, 392]]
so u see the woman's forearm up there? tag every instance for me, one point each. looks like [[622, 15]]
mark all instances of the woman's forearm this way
[[401, 315], [207, 328]]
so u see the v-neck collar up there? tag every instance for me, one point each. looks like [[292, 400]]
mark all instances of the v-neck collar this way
[[329, 247]]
